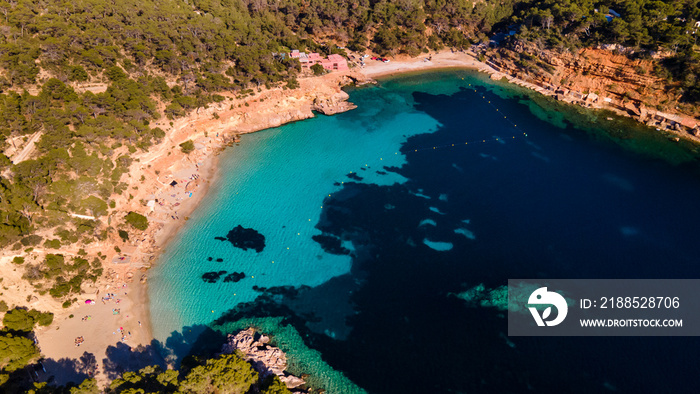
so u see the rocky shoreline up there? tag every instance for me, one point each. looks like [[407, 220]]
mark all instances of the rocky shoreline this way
[[596, 78], [266, 359]]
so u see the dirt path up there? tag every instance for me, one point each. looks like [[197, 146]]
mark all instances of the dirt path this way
[[28, 149]]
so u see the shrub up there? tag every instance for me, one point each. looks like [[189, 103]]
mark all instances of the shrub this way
[[292, 83], [138, 221], [3, 306], [18, 260], [94, 205], [317, 69], [21, 319], [52, 244], [123, 235], [78, 73], [60, 290], [45, 319], [187, 147], [31, 240], [115, 73]]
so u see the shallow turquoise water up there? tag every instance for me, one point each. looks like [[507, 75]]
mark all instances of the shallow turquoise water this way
[[275, 183]]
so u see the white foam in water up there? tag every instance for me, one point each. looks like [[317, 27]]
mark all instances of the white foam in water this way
[[434, 209], [466, 233], [443, 197], [456, 167], [426, 222], [499, 139], [439, 246]]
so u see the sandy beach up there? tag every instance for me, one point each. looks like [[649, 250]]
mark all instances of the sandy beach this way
[[440, 60], [105, 328]]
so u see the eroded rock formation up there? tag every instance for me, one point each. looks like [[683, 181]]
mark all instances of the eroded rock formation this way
[[265, 358]]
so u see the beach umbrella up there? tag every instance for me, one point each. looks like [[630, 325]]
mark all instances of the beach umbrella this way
[[88, 301]]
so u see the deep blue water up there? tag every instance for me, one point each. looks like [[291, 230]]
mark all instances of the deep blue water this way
[[539, 190]]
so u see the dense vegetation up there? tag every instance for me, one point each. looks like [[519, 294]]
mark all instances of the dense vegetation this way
[[224, 374], [60, 276], [16, 345]]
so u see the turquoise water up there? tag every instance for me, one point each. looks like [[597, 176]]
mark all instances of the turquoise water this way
[[436, 184], [275, 183]]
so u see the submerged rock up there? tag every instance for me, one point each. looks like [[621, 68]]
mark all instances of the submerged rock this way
[[245, 238], [354, 176], [234, 277], [213, 276], [331, 244]]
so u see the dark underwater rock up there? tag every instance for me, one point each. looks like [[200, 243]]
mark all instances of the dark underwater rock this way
[[331, 244], [354, 176], [213, 276], [245, 238], [234, 277]]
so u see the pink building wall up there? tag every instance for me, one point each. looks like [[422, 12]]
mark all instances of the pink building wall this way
[[334, 62]]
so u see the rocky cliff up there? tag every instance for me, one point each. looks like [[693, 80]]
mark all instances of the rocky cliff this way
[[608, 77]]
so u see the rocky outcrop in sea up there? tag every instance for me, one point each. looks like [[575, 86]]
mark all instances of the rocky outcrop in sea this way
[[265, 358]]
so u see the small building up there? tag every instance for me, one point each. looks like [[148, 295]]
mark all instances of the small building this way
[[334, 62], [314, 58], [592, 97], [337, 62]]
